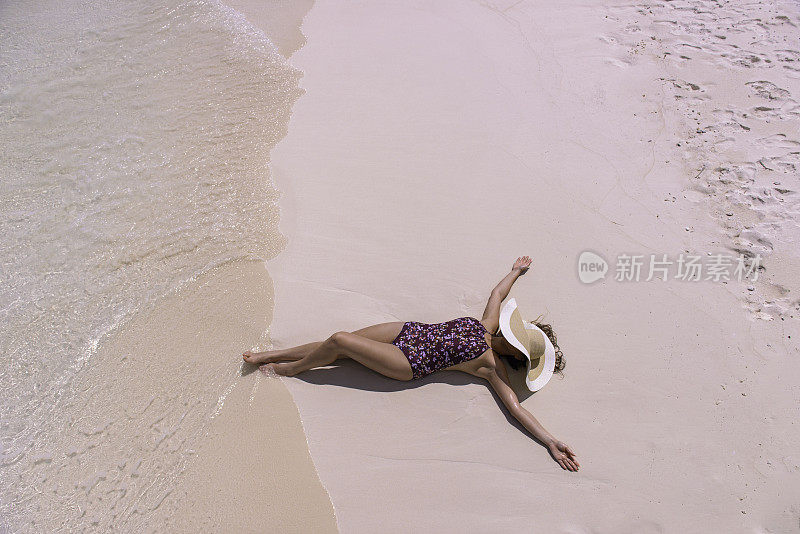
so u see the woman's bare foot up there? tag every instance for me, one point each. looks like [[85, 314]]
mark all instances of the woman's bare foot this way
[[259, 357]]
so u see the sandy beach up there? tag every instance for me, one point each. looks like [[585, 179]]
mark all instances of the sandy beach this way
[[137, 212], [224, 450], [433, 145], [388, 161]]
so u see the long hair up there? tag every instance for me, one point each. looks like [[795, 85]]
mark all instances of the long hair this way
[[551, 335]]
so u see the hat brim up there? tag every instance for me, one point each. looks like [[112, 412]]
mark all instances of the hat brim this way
[[508, 332], [549, 355], [549, 363]]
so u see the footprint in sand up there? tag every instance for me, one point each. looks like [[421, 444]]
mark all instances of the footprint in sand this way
[[738, 138]]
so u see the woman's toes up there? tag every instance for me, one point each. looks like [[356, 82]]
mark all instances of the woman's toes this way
[[256, 357]]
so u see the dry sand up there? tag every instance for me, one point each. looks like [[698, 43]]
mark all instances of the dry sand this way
[[436, 142]]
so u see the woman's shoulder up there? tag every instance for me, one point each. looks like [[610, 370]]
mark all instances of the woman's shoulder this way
[[490, 367]]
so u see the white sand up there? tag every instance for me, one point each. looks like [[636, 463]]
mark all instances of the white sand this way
[[436, 142]]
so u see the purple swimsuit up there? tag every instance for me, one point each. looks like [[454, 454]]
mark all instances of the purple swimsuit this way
[[431, 347]]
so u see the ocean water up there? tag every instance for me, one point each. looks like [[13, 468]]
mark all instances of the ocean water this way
[[134, 149]]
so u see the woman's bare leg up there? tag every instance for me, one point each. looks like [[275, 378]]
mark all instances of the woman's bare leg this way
[[382, 357], [290, 354], [384, 332]]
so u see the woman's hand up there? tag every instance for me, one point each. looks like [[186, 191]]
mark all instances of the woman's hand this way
[[564, 455], [522, 264]]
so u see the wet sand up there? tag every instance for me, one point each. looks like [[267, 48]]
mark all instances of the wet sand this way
[[204, 441]]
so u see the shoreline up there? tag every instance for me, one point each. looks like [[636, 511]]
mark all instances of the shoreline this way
[[254, 443], [285, 475], [164, 424], [176, 431]]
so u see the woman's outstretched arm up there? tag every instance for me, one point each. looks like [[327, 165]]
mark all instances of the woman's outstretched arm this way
[[491, 315], [560, 451]]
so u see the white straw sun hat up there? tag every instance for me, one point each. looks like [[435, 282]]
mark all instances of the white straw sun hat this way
[[532, 342]]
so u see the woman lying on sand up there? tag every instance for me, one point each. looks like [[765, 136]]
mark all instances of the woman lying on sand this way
[[411, 350]]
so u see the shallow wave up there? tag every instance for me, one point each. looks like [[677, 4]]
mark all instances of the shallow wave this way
[[135, 140]]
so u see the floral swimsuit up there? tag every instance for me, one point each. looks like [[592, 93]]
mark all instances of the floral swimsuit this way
[[431, 347]]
